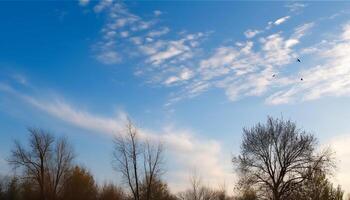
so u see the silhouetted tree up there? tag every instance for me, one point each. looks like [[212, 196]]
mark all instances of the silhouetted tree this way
[[317, 187], [152, 170], [200, 192], [45, 162], [157, 191], [13, 189], [137, 160], [247, 194], [59, 166], [2, 188], [277, 158], [29, 191], [111, 192], [80, 184]]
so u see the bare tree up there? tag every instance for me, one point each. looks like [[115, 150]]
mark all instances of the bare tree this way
[[59, 166], [34, 161], [198, 191], [126, 154], [152, 161], [277, 158], [318, 187], [130, 153], [43, 162]]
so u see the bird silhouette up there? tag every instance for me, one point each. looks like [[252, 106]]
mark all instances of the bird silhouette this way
[[298, 60], [274, 75], [301, 79]]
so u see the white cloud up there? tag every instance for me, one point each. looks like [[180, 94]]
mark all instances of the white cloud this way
[[251, 33], [295, 6], [103, 4], [68, 113], [301, 30], [158, 33], [84, 2], [20, 78], [277, 50], [291, 43], [340, 145], [205, 156], [174, 48], [281, 20], [331, 78], [184, 146], [219, 63], [171, 51], [124, 34], [157, 13], [119, 26], [162, 59], [184, 75], [243, 69], [346, 32], [109, 57]]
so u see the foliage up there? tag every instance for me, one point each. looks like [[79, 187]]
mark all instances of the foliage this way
[[318, 187], [80, 185], [247, 194], [111, 192], [159, 191]]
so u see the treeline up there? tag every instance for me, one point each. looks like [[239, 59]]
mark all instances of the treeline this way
[[277, 161]]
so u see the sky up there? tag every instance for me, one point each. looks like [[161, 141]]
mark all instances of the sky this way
[[192, 73]]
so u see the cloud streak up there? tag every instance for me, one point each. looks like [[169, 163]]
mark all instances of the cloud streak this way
[[184, 146], [281, 20], [245, 68], [330, 78], [340, 144], [254, 67]]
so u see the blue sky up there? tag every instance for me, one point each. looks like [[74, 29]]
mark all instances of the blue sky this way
[[191, 73]]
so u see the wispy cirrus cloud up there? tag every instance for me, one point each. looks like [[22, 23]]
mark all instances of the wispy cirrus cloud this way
[[295, 6], [254, 67], [340, 145], [84, 2], [166, 56], [157, 33], [157, 13], [245, 68], [281, 20], [184, 145], [251, 33], [330, 78], [175, 62]]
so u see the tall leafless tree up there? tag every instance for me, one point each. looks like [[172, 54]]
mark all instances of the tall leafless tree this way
[[59, 166], [277, 157], [152, 161], [130, 153], [45, 162], [198, 191]]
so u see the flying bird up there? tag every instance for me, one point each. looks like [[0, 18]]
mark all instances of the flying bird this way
[[274, 75], [298, 60], [301, 79]]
